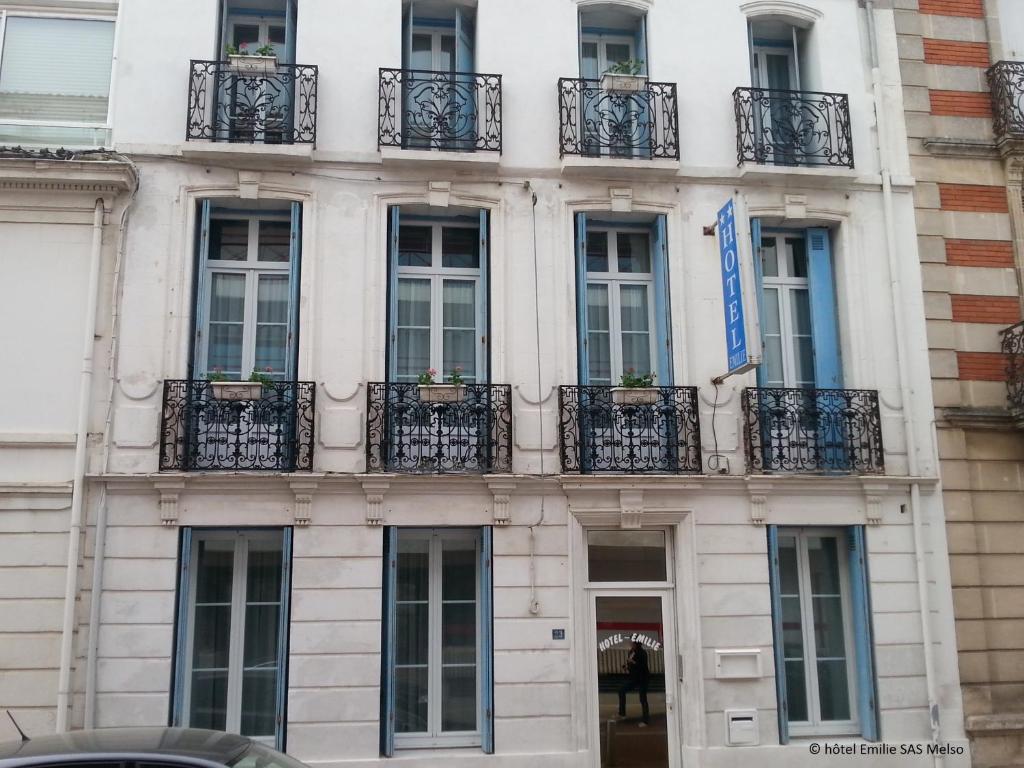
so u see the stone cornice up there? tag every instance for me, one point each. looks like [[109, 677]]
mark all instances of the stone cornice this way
[[104, 177]]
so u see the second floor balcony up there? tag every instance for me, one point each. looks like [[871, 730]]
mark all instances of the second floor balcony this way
[[598, 120], [250, 103], [209, 426], [414, 429], [657, 430], [830, 431], [1006, 82], [1013, 348], [793, 128], [447, 111]]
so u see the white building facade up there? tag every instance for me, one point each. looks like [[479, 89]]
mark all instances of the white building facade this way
[[287, 535]]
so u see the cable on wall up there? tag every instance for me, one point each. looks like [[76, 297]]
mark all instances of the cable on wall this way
[[534, 602]]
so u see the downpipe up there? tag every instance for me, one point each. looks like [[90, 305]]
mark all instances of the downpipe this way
[[906, 391], [78, 477]]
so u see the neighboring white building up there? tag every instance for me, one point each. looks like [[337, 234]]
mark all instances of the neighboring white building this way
[[335, 564]]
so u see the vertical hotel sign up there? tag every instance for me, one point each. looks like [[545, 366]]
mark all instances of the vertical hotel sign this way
[[742, 327]]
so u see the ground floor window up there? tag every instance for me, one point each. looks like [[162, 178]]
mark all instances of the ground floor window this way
[[436, 687], [232, 633], [822, 626]]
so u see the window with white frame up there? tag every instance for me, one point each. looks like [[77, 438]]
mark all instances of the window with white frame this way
[[246, 292], [232, 631], [55, 74], [822, 626], [788, 339], [437, 688], [620, 306], [440, 300]]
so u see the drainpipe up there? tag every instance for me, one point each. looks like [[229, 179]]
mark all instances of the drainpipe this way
[[906, 391], [78, 482], [99, 545]]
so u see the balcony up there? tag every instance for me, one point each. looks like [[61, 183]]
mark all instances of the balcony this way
[[833, 431], [600, 435], [277, 106], [446, 111], [1013, 348], [407, 434], [1006, 81], [271, 433], [793, 128], [621, 124]]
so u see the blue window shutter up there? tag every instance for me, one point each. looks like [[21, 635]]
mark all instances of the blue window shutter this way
[[464, 53], [485, 296], [387, 667], [860, 596], [583, 363], [182, 629], [755, 237], [407, 22], [464, 63], [289, 31], [392, 340], [662, 304], [640, 44], [780, 658], [828, 372], [202, 257], [283, 634], [294, 276], [487, 641]]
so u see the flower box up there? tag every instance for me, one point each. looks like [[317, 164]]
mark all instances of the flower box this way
[[612, 81], [237, 390], [252, 65], [635, 395], [442, 393]]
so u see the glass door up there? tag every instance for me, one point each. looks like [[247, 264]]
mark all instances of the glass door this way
[[608, 118], [258, 104], [633, 702]]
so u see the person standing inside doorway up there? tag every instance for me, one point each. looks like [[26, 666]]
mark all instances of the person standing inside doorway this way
[[638, 676]]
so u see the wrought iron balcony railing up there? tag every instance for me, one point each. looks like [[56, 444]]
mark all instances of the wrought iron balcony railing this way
[[598, 122], [813, 430], [405, 433], [1013, 347], [452, 111], [1006, 81], [277, 106], [799, 128], [600, 435], [273, 432]]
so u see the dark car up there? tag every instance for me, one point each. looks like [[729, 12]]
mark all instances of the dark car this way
[[143, 748]]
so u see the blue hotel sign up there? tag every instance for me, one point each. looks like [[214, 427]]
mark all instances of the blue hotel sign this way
[[732, 291]]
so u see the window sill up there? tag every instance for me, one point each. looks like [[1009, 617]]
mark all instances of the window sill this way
[[619, 166], [397, 156], [226, 149]]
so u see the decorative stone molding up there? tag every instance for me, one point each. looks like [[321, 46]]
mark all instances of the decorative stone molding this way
[[303, 490], [169, 490], [759, 502], [799, 14], [621, 199], [439, 193], [375, 490], [964, 148], [249, 184], [631, 509], [501, 489], [873, 495], [796, 206]]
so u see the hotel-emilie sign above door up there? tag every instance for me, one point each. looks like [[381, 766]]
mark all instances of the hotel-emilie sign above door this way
[[742, 323]]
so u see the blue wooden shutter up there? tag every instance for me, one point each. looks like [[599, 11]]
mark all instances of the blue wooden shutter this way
[[465, 87], [860, 596], [755, 237], [640, 44], [582, 360], [780, 655], [181, 630], [407, 23], [662, 304], [294, 279], [387, 665], [199, 363], [392, 292], [484, 330], [290, 23], [487, 641], [828, 372], [283, 635]]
